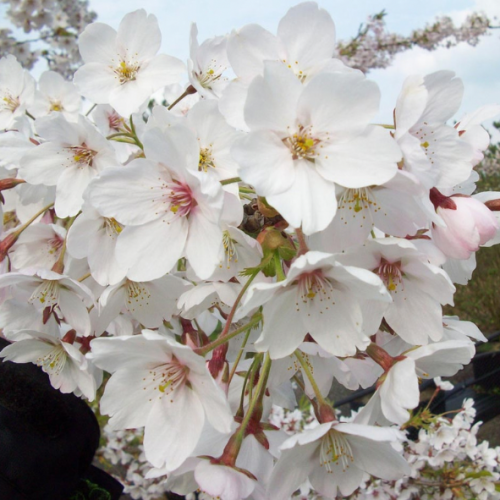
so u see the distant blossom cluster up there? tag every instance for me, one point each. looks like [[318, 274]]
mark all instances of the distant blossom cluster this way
[[254, 237], [54, 26], [446, 461]]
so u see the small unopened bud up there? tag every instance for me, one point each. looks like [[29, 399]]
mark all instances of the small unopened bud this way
[[216, 364], [10, 183], [6, 244]]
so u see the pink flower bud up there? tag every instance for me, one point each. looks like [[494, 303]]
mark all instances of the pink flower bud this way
[[468, 226]]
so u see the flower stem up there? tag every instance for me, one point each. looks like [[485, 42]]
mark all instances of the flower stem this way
[[203, 351], [309, 375], [231, 180], [259, 394], [236, 303], [238, 357], [188, 91], [29, 222]]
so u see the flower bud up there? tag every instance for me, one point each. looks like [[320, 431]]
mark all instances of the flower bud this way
[[468, 225]]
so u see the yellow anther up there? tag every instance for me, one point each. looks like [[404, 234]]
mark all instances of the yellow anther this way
[[425, 144]]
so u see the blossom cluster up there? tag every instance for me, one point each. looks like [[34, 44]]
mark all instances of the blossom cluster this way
[[57, 24], [446, 460], [375, 47], [255, 231]]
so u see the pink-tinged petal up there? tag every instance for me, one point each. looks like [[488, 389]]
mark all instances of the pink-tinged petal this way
[[449, 156], [203, 245], [232, 104], [129, 397], [414, 315], [128, 97], [367, 159], [339, 103], [291, 470], [96, 81], [399, 392], [173, 428], [177, 150], [139, 35], [130, 352], [102, 261], [410, 105], [264, 162], [97, 44], [282, 333], [220, 481], [72, 182], [43, 164], [84, 381], [399, 214], [371, 413], [335, 323], [432, 280], [325, 482], [57, 129], [153, 249], [26, 351], [111, 303], [443, 358], [160, 71], [248, 48], [78, 235], [379, 459], [308, 34], [310, 202], [272, 99], [133, 195], [445, 96], [74, 311], [213, 400]]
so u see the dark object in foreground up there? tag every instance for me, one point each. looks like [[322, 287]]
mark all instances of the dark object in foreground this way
[[47, 440]]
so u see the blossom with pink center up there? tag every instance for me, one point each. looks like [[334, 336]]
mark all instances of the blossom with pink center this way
[[71, 155], [417, 287], [321, 297], [164, 386], [170, 209]]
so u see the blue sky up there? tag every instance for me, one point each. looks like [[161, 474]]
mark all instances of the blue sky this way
[[479, 67]]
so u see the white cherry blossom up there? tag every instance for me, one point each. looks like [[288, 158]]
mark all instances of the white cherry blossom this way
[[122, 67], [164, 386]]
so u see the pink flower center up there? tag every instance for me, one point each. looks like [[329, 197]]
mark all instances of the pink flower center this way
[[115, 121], [390, 273], [168, 377], [181, 198], [82, 154]]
